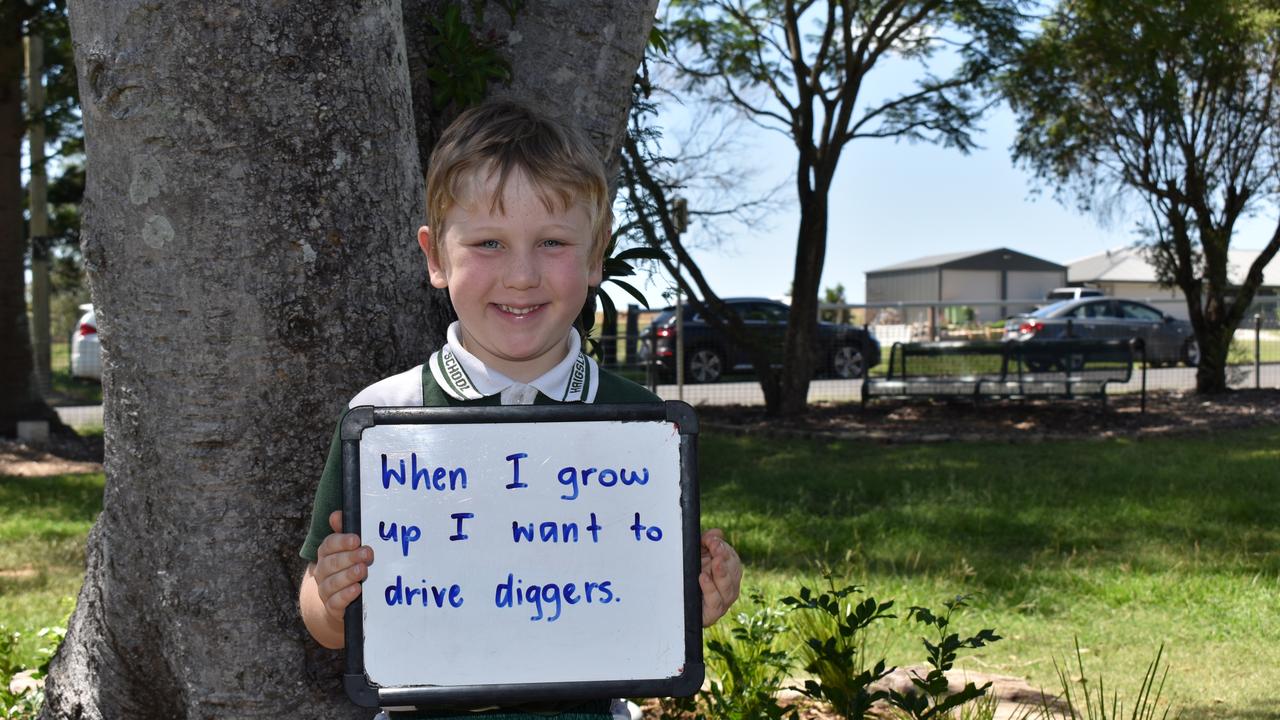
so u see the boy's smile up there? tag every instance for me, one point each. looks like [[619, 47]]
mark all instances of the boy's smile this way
[[517, 276]]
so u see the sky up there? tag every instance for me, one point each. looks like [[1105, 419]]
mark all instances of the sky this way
[[893, 202]]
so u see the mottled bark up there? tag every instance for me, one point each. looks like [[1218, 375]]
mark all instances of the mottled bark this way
[[573, 59], [253, 191], [249, 216]]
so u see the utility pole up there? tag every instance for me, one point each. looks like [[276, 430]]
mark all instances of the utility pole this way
[[680, 220], [39, 226]]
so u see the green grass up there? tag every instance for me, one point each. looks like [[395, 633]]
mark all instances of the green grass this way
[[69, 390], [1123, 544], [1243, 352], [43, 526]]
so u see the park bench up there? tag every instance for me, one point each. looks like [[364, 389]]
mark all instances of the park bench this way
[[1067, 368]]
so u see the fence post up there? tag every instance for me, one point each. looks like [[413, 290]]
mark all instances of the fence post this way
[[633, 332], [1257, 351]]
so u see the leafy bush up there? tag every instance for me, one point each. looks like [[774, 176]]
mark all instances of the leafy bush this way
[[842, 677], [750, 665], [25, 705], [934, 698]]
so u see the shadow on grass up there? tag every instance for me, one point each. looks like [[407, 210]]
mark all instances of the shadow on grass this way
[[1154, 505]]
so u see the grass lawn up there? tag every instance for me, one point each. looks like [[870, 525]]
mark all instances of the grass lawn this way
[[1124, 544], [43, 525]]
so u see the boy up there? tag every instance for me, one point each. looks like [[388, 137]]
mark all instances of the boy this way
[[519, 218]]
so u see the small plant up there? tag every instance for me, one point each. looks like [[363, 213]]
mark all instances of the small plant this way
[[842, 677], [749, 665], [25, 704], [934, 698], [1096, 707]]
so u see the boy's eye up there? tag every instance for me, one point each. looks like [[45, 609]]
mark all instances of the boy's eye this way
[[552, 242], [489, 244]]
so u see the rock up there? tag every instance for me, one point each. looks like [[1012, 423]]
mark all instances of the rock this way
[[1014, 694], [24, 682]]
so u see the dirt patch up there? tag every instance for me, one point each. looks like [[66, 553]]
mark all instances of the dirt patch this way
[[60, 456], [890, 421]]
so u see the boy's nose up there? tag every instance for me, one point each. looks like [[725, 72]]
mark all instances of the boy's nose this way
[[521, 274]]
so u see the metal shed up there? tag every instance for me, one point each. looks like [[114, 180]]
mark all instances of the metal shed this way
[[973, 279]]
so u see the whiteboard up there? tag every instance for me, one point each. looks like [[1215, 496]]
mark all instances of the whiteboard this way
[[524, 553]]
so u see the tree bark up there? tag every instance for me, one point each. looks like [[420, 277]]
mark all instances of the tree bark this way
[[249, 216], [20, 397], [801, 345], [572, 59], [253, 191]]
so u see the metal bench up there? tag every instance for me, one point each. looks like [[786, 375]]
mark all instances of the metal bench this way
[[1066, 368]]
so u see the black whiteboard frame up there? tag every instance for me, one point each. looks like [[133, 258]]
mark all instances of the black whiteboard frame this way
[[688, 682]]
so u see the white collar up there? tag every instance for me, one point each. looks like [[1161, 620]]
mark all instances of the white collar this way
[[464, 376]]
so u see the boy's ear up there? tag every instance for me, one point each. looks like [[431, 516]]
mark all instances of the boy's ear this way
[[435, 269], [595, 272]]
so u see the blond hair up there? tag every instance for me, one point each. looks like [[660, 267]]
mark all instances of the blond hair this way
[[500, 136]]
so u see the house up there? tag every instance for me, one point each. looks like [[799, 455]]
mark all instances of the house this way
[[1126, 272]]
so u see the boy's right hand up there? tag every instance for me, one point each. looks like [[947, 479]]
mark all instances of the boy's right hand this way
[[341, 565]]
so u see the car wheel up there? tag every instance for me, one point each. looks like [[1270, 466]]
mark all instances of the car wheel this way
[[1191, 353], [704, 365], [846, 362]]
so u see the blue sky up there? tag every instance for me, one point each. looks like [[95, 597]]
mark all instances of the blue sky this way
[[893, 202]]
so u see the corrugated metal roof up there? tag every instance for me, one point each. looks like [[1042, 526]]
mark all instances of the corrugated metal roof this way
[[994, 258], [1127, 264], [930, 261]]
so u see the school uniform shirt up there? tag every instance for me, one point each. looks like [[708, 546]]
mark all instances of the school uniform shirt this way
[[453, 377]]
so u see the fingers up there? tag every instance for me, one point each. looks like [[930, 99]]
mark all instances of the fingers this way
[[341, 565], [720, 578], [335, 521]]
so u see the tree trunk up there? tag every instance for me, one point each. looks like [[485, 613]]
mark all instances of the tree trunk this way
[[573, 59], [19, 393], [249, 236], [801, 345], [1215, 346]]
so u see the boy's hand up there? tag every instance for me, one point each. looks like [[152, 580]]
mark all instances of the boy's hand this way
[[341, 565], [331, 583], [721, 576]]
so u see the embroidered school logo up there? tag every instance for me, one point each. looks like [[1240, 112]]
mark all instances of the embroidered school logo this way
[[453, 371], [578, 377]]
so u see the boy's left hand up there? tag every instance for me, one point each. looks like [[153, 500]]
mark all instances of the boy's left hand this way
[[721, 576]]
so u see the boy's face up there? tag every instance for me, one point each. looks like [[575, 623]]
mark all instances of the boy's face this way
[[517, 278]]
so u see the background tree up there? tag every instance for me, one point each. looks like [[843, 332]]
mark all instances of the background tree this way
[[798, 67], [20, 397], [1175, 104], [252, 192], [704, 172]]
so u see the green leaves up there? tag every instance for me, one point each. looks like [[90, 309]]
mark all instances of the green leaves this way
[[463, 63], [835, 643]]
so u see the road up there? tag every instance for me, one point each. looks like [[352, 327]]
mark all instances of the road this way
[[747, 392]]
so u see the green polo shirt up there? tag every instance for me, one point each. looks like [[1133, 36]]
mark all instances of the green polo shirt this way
[[611, 389]]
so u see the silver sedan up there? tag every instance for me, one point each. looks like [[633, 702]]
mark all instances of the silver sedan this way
[[1167, 339]]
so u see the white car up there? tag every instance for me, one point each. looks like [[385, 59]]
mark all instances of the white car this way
[[86, 351], [1072, 293]]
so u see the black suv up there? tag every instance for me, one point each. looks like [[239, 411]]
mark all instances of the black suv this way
[[845, 351]]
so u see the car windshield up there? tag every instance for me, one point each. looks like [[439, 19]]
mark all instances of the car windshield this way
[[1050, 309]]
